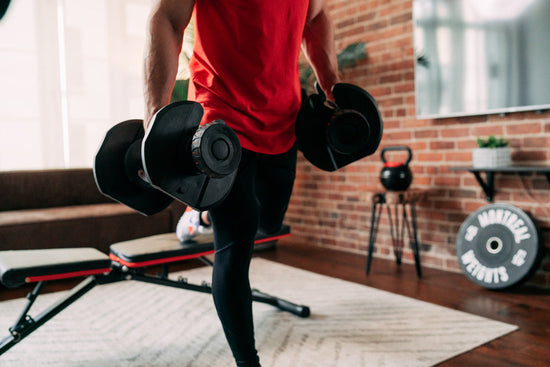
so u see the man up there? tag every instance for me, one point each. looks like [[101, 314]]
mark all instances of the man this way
[[244, 70]]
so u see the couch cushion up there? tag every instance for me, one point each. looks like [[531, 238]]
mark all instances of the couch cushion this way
[[30, 216], [49, 188], [96, 226]]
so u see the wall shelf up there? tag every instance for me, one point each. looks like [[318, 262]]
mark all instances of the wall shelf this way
[[488, 185]]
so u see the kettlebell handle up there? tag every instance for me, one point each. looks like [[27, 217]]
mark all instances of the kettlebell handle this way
[[395, 148]]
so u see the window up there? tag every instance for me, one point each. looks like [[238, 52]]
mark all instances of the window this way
[[69, 70]]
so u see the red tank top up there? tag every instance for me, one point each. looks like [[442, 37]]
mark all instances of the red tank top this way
[[244, 68]]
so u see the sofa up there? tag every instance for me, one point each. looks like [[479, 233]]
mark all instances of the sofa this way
[[63, 208]]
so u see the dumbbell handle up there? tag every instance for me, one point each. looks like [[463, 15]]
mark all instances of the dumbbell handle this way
[[134, 166]]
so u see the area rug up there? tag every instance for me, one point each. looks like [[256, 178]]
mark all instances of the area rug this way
[[138, 324]]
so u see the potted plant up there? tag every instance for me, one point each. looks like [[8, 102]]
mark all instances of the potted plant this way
[[493, 152], [347, 58]]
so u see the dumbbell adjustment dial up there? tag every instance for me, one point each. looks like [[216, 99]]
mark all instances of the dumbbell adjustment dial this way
[[215, 149]]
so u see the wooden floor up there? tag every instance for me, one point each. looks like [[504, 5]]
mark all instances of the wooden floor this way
[[527, 308]]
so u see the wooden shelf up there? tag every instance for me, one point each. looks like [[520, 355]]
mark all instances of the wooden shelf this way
[[488, 185]]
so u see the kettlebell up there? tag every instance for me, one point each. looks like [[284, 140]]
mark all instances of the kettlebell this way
[[396, 176]]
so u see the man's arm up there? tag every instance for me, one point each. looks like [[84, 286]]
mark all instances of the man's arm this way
[[318, 46], [167, 22]]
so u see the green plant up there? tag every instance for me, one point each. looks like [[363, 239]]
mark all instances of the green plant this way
[[181, 87], [349, 57], [492, 142], [179, 93]]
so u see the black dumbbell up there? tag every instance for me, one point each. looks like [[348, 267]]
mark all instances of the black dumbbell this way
[[4, 4], [332, 135], [176, 159]]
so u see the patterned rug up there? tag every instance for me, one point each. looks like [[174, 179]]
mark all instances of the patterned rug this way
[[139, 324]]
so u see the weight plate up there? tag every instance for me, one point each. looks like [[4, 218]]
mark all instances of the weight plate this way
[[111, 174], [4, 4], [498, 246], [313, 129], [168, 162], [349, 96], [347, 132]]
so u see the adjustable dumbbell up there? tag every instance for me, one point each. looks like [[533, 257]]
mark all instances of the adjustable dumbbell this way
[[4, 4], [332, 135], [174, 159]]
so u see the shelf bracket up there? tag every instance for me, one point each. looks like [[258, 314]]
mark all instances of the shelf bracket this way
[[488, 186]]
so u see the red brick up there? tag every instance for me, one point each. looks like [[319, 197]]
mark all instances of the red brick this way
[[524, 129], [536, 142], [404, 87], [532, 156], [423, 134], [438, 144], [452, 265], [487, 130], [467, 144], [447, 181], [398, 135], [462, 156], [402, 18], [455, 132]]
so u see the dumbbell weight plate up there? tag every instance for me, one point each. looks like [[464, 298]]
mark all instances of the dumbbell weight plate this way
[[498, 246], [352, 97], [168, 161], [326, 146], [347, 131], [110, 173], [4, 4]]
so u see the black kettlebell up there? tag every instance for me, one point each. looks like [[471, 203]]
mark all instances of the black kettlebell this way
[[396, 176]]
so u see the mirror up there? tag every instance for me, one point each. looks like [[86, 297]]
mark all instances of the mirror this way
[[478, 57]]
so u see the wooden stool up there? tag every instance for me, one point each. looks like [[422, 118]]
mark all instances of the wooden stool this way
[[398, 222]]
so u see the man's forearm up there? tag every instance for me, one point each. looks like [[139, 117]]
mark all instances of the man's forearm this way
[[162, 49], [318, 46]]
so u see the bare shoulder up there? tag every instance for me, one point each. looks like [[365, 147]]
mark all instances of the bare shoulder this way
[[315, 8], [178, 12]]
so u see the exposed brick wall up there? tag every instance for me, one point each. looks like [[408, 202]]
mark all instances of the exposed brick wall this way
[[334, 210]]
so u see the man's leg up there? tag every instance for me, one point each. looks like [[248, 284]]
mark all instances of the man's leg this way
[[275, 179], [235, 223]]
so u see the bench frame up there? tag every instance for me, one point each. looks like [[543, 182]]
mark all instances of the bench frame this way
[[25, 324]]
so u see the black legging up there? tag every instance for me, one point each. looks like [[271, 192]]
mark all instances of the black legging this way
[[258, 201]]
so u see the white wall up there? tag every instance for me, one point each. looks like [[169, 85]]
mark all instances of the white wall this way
[[69, 70]]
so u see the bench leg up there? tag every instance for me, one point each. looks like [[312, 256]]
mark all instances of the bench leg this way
[[204, 287], [25, 324], [298, 310]]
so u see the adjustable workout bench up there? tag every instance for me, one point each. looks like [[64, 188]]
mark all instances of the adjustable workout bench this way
[[126, 261]]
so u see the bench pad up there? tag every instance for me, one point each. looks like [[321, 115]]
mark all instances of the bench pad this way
[[166, 248], [18, 267], [159, 249]]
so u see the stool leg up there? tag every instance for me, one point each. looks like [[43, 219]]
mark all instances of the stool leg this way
[[414, 240], [375, 220], [394, 223], [400, 232]]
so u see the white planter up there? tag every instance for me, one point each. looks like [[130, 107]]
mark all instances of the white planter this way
[[491, 157]]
